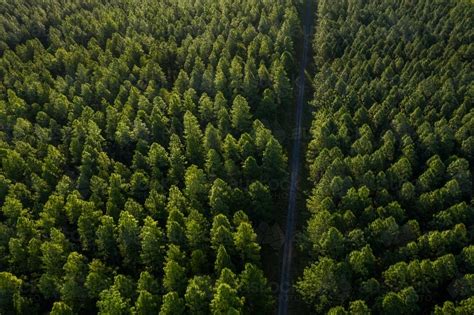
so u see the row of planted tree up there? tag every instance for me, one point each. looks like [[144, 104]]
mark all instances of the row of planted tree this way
[[138, 151], [137, 155], [390, 159]]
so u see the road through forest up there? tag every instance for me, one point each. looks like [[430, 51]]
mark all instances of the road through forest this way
[[285, 277]]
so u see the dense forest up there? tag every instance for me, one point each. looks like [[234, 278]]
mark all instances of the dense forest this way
[[390, 161], [142, 144], [136, 153]]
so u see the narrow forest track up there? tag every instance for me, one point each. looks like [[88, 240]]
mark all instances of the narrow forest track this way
[[285, 277]]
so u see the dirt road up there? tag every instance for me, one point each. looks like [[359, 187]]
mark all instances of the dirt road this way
[[285, 278]]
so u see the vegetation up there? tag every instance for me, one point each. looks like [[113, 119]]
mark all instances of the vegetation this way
[[139, 151], [136, 153], [391, 159]]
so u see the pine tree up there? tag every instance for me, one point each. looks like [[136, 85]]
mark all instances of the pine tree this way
[[241, 116], [193, 137]]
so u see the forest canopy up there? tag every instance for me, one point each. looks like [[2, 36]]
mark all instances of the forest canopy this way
[[390, 159], [144, 143], [136, 153]]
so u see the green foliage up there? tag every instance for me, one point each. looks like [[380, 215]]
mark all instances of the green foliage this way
[[152, 243], [10, 293], [226, 300], [240, 113], [73, 292], [111, 302], [245, 240], [255, 289], [128, 239], [325, 283], [98, 278], [61, 308], [174, 277], [223, 260], [198, 295], [390, 198], [172, 304]]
